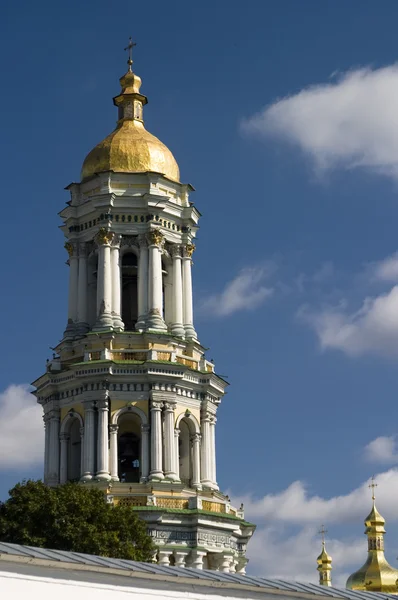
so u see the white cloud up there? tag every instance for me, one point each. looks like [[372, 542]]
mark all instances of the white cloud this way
[[351, 122], [386, 269], [286, 543], [383, 449], [21, 429], [245, 292], [371, 329]]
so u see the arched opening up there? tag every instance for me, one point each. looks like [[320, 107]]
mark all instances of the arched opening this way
[[74, 451], [184, 453], [129, 448], [129, 290]]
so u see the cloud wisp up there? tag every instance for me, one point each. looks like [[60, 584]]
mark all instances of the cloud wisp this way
[[21, 429], [351, 122], [246, 291], [383, 449]]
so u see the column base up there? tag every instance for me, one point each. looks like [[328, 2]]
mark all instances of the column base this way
[[105, 321], [171, 477], [155, 321], [117, 322], [114, 478], [156, 476], [82, 328], [178, 330], [70, 330], [190, 332], [141, 323], [209, 485], [103, 477], [86, 477]]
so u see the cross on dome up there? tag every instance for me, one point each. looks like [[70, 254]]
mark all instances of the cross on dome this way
[[373, 486], [130, 47]]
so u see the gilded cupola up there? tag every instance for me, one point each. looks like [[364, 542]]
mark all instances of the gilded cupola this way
[[324, 562], [376, 575], [130, 148]]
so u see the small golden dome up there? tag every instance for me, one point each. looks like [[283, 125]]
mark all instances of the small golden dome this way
[[324, 558], [376, 575], [130, 148]]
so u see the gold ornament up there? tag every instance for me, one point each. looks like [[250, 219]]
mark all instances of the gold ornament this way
[[190, 249], [155, 237], [104, 236], [69, 248]]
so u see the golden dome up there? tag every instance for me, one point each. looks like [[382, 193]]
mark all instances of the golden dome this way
[[376, 575], [130, 148], [324, 558]]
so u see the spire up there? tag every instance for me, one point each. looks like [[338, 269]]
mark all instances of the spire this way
[[376, 575], [130, 101], [324, 562]]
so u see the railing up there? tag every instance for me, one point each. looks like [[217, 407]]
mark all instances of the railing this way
[[164, 356], [95, 355], [171, 502], [192, 364], [213, 506], [129, 356], [132, 501]]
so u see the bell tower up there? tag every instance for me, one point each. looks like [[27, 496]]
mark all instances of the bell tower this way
[[129, 399]]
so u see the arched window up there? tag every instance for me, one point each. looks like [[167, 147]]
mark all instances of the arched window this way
[[74, 451], [184, 453], [129, 448], [129, 291]]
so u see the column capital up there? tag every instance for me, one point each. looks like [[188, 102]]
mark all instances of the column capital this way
[[206, 415], [104, 237], [116, 241], [188, 250], [83, 247], [169, 406], [142, 240], [88, 405], [113, 428], [156, 405], [71, 248], [175, 250], [64, 437], [155, 237], [195, 438], [145, 428], [102, 404]]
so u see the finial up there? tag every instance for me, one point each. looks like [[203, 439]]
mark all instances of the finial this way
[[130, 47], [373, 485], [322, 532]]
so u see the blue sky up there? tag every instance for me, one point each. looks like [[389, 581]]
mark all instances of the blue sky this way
[[298, 189]]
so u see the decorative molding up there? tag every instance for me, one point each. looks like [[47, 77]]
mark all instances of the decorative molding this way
[[175, 250], [71, 248], [188, 250]]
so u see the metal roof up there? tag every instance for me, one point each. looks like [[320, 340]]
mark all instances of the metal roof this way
[[15, 552]]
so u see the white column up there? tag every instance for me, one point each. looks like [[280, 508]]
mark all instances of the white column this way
[[144, 453], [168, 296], [213, 476], [195, 441], [177, 327], [155, 283], [113, 429], [82, 308], [53, 467], [81, 450], [89, 441], [104, 280], [71, 248], [63, 475], [102, 442], [142, 282], [116, 282], [156, 441], [177, 452], [164, 557], [169, 451], [187, 291], [205, 450], [225, 563], [46, 419], [241, 566]]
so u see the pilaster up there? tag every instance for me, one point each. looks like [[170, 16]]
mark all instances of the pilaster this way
[[155, 292], [103, 240]]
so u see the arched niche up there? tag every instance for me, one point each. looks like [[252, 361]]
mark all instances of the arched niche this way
[[129, 448], [129, 288], [188, 426]]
